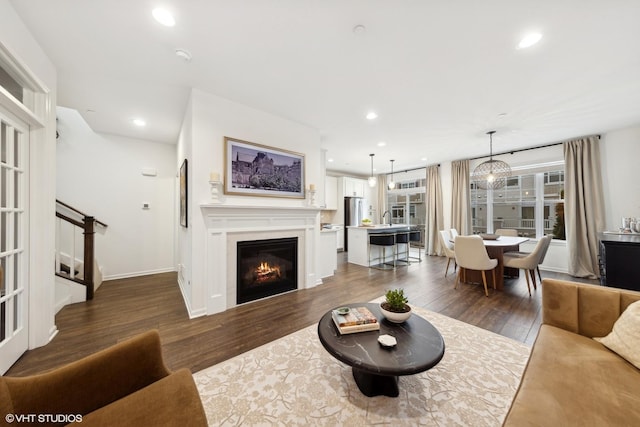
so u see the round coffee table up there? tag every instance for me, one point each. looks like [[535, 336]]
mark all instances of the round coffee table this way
[[376, 368]]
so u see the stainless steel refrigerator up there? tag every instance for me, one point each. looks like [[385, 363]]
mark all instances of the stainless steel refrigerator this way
[[353, 215]]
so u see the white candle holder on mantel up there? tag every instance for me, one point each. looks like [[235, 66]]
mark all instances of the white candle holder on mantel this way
[[217, 194], [311, 197]]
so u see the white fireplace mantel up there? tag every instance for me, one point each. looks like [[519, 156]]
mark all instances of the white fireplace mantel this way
[[226, 225]]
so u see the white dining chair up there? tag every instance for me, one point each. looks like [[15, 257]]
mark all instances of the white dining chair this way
[[454, 233], [527, 261], [512, 232], [471, 254], [449, 251], [544, 254]]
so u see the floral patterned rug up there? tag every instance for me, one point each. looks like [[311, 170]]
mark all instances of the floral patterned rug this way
[[293, 381]]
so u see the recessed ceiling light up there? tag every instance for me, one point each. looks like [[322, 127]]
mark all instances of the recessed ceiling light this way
[[330, 160], [164, 17], [139, 122], [424, 159], [529, 40], [381, 144], [184, 54], [359, 29], [372, 115]]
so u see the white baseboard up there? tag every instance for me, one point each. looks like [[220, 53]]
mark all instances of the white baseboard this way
[[192, 313], [139, 273], [554, 269]]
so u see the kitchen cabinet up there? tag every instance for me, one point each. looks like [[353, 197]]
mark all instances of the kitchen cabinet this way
[[328, 259], [353, 187], [340, 240], [371, 197], [331, 193]]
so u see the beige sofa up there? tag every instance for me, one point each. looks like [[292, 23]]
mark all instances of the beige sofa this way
[[571, 379], [124, 385]]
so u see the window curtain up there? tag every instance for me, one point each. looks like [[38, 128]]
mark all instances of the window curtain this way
[[435, 218], [584, 205], [382, 196], [460, 197]]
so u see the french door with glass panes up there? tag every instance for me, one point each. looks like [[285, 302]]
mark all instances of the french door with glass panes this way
[[14, 187]]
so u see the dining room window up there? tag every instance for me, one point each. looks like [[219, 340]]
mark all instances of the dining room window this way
[[531, 202]]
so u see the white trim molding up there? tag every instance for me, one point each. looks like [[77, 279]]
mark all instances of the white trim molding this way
[[226, 225]]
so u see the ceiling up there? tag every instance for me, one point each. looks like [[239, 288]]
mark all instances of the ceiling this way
[[438, 73]]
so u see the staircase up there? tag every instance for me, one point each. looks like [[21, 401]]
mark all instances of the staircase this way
[[77, 272]]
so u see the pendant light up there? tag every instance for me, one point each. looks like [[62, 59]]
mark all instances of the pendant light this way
[[392, 183], [372, 179], [492, 173]]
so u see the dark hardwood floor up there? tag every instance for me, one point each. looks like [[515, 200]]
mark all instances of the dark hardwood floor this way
[[126, 307]]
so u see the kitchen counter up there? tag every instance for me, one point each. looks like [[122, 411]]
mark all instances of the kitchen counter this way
[[382, 228], [359, 242]]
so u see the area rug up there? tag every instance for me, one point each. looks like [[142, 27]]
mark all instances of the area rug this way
[[293, 381]]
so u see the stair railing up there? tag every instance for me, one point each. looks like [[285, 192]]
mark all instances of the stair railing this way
[[66, 230]]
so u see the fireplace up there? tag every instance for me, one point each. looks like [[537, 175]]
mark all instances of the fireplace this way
[[266, 268]]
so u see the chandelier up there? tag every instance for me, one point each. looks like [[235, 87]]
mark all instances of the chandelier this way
[[372, 179], [492, 173]]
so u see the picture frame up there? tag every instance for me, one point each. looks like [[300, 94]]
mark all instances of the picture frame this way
[[184, 207], [252, 169]]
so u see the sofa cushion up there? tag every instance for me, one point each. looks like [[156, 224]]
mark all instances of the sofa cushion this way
[[569, 376], [171, 401], [624, 339]]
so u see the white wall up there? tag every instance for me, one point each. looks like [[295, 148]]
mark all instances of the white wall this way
[[620, 153], [208, 120], [183, 235], [101, 175], [15, 36]]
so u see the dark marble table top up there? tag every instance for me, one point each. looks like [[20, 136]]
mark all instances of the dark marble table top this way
[[420, 346]]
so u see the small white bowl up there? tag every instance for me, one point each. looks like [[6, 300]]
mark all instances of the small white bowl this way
[[387, 340]]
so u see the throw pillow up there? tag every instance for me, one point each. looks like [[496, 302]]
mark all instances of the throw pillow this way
[[624, 338]]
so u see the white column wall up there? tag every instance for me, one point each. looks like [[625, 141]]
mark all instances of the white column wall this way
[[620, 154], [208, 120]]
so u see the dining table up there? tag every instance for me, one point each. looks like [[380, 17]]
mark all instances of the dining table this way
[[496, 247]]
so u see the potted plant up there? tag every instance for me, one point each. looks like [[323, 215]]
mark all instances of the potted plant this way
[[395, 308]]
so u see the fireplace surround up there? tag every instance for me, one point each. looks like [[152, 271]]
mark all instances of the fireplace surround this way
[[226, 225]]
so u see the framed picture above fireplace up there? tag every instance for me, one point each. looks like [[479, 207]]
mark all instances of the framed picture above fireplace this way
[[258, 170]]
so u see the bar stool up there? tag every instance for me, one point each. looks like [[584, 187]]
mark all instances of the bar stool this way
[[402, 238], [415, 236], [384, 240]]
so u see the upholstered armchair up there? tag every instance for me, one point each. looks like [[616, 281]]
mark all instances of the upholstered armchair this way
[[126, 384]]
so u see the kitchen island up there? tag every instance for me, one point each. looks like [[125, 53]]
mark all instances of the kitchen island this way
[[359, 242]]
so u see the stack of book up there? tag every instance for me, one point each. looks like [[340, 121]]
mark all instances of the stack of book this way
[[358, 319]]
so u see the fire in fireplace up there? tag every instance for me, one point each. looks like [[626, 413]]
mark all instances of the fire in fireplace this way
[[266, 268]]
